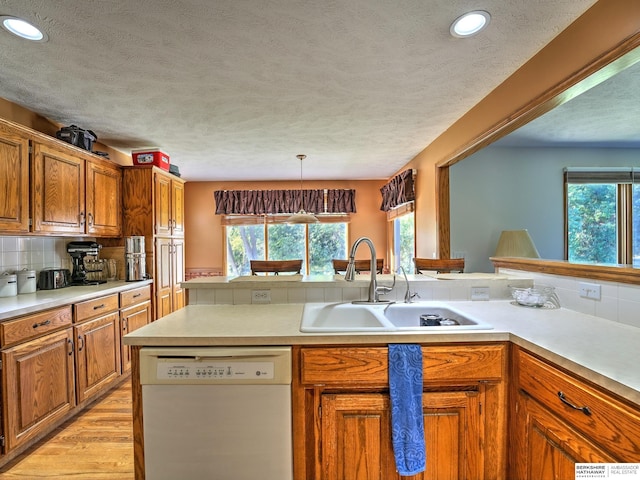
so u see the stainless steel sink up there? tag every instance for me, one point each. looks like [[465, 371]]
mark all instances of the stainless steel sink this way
[[425, 317]]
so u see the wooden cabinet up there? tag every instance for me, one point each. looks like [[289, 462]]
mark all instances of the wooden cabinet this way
[[74, 194], [342, 412], [356, 435], [14, 181], [135, 312], [169, 273], [37, 374], [559, 420], [97, 338], [58, 190], [103, 199], [154, 208]]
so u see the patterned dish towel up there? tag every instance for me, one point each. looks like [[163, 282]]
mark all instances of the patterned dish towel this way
[[407, 423]]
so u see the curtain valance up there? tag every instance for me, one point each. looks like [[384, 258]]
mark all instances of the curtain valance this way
[[401, 189], [273, 202]]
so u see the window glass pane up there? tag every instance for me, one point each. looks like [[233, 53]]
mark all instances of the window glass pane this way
[[592, 232], [636, 224], [286, 242], [326, 242], [244, 243], [404, 241]]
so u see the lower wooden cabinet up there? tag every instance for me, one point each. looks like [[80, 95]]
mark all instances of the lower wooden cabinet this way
[[131, 319], [342, 424], [169, 269], [97, 354], [356, 437], [38, 386], [559, 420]]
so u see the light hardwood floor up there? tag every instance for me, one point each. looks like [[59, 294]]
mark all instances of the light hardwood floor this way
[[95, 445]]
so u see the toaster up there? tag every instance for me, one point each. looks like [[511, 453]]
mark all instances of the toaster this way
[[52, 278]]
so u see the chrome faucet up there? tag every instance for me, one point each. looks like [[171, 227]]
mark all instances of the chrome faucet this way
[[350, 272]]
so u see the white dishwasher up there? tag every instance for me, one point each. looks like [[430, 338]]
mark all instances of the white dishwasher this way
[[217, 413]]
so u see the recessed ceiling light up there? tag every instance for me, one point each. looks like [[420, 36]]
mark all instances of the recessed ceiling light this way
[[22, 28], [470, 24]]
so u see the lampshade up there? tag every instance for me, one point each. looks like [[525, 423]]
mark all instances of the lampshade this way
[[516, 243], [302, 216]]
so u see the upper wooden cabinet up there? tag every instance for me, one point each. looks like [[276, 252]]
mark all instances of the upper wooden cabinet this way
[[58, 201], [14, 181], [57, 190], [153, 202], [103, 199], [75, 194]]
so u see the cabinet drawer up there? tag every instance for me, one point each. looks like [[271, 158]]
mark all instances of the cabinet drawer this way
[[369, 365], [32, 326], [609, 422], [98, 306], [136, 295]]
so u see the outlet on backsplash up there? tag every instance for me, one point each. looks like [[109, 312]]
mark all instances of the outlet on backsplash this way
[[590, 290], [260, 296], [479, 293]]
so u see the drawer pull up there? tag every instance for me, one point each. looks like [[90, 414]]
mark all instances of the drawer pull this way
[[41, 324], [98, 307], [564, 400], [137, 295]]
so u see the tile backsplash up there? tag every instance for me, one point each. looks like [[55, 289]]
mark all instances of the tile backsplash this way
[[619, 302], [34, 253]]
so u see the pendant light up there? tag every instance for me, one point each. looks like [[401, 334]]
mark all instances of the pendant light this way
[[302, 216]]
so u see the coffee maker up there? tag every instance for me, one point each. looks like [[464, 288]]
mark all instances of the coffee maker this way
[[79, 250]]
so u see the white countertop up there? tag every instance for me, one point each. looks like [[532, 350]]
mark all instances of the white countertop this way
[[602, 351], [44, 299]]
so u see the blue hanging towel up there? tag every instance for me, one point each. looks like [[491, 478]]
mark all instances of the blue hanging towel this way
[[407, 423]]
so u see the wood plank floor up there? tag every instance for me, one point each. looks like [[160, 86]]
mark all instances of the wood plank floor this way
[[95, 445]]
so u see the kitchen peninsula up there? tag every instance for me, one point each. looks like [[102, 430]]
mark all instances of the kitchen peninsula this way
[[484, 379]]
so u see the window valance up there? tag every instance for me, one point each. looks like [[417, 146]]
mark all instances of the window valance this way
[[602, 175], [400, 190], [274, 202]]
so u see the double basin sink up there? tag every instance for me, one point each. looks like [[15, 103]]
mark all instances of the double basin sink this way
[[427, 317]]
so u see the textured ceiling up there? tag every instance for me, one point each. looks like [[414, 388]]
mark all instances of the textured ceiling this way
[[606, 116], [234, 89]]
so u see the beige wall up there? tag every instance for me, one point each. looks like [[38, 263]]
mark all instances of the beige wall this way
[[204, 235]]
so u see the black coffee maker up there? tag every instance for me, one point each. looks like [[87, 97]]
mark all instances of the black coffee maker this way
[[79, 250]]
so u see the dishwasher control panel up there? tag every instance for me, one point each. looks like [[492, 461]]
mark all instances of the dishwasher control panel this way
[[215, 365], [208, 370]]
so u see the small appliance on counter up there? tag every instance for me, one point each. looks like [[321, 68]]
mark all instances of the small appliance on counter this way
[[8, 285], [78, 251], [135, 258], [26, 281], [54, 278]]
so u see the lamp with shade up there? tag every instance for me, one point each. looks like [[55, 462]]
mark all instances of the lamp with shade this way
[[516, 243]]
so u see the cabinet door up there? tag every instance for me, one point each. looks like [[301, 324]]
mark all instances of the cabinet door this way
[[58, 190], [177, 208], [38, 377], [162, 204], [97, 354], [356, 437], [131, 319], [545, 448], [177, 276], [163, 280], [14, 182], [104, 200]]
